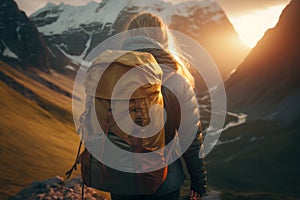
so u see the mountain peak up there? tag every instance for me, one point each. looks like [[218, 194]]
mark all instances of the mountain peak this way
[[50, 5], [205, 3]]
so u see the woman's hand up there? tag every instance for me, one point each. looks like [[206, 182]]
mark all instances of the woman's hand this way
[[194, 196]]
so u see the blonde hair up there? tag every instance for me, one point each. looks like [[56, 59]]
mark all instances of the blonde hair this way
[[164, 37], [146, 20]]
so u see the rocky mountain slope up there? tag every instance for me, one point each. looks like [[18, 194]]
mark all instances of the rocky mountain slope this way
[[20, 41]]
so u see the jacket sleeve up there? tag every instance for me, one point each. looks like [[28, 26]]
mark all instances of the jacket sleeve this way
[[195, 164], [194, 155], [190, 136]]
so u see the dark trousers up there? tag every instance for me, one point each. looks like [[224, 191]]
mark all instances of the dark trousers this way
[[170, 196]]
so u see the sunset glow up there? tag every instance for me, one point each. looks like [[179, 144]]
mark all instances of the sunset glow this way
[[251, 27]]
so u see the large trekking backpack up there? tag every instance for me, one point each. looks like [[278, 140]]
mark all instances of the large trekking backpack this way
[[112, 66]]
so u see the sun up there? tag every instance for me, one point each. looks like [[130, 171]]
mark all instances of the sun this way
[[251, 27]]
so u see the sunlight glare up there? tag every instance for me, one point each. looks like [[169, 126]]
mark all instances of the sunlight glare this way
[[251, 27]]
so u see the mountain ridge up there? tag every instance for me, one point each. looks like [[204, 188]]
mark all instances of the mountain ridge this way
[[270, 71], [72, 32]]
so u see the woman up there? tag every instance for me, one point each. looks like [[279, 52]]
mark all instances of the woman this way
[[157, 42]]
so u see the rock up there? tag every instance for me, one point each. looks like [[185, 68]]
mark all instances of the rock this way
[[212, 195], [35, 184], [57, 188]]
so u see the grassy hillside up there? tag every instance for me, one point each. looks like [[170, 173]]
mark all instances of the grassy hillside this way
[[55, 102], [34, 144]]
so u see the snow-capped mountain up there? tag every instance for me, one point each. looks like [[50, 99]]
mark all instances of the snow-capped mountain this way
[[20, 41], [62, 17], [71, 32]]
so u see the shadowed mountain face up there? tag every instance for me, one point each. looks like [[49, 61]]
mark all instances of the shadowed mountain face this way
[[72, 32], [268, 80], [20, 41], [261, 155]]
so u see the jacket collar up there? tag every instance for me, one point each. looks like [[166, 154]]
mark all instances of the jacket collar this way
[[140, 42]]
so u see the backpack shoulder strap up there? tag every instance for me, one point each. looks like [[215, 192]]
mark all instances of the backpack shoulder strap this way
[[167, 77]]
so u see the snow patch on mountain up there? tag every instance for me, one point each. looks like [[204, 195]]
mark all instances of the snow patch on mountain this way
[[217, 17], [229, 141], [241, 119], [8, 53], [253, 139], [18, 33], [74, 59], [69, 67], [185, 8]]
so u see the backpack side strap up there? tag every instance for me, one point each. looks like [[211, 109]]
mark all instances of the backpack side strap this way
[[74, 167]]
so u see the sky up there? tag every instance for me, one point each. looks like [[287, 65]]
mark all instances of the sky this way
[[250, 18]]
